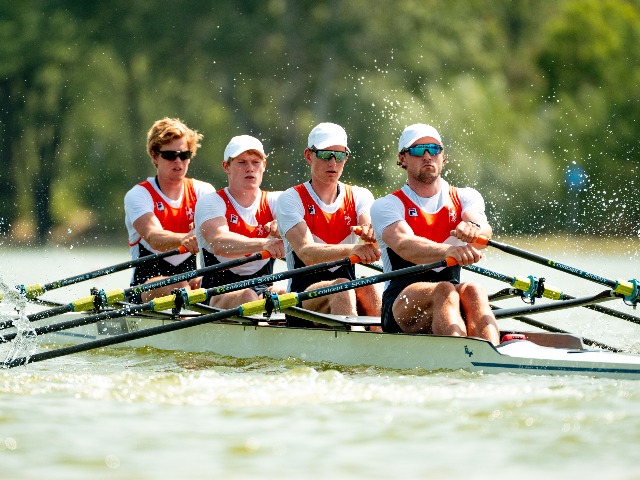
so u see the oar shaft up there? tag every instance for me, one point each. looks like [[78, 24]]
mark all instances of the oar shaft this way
[[125, 337], [549, 307], [115, 268], [383, 277], [276, 277], [106, 315], [90, 302], [145, 287], [548, 262], [169, 301], [32, 291]]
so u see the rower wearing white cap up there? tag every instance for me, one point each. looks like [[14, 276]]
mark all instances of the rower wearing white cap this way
[[426, 221], [317, 219], [239, 220]]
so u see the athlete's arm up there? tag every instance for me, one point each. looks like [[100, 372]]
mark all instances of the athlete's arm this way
[[230, 244], [300, 238], [400, 238], [148, 227]]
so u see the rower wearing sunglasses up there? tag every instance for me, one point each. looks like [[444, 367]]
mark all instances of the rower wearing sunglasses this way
[[426, 221], [317, 221], [159, 211]]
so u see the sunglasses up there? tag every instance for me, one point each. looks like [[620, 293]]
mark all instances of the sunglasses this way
[[327, 154], [418, 150], [173, 154]]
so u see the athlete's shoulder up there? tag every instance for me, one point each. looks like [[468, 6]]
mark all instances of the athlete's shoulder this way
[[202, 188]]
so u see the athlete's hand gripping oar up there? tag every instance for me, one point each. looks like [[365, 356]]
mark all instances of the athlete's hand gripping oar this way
[[280, 302], [629, 290], [184, 298], [103, 298], [532, 287], [32, 291]]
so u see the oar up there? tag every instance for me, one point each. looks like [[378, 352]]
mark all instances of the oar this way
[[280, 302], [32, 291], [549, 292], [629, 290], [104, 298], [530, 285], [551, 307], [184, 298]]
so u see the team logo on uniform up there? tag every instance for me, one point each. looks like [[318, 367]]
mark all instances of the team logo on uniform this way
[[260, 231], [452, 215], [312, 209], [413, 212], [189, 212], [347, 219], [159, 206], [234, 218]]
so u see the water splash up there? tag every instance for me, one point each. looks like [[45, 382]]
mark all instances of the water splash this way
[[25, 342]]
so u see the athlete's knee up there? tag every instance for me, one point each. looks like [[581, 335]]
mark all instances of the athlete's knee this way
[[472, 292], [446, 290]]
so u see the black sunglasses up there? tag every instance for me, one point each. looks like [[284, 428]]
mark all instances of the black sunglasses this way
[[172, 154]]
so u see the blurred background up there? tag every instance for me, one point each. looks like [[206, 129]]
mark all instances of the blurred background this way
[[537, 101]]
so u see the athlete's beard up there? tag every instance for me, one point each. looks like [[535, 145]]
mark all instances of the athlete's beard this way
[[426, 178]]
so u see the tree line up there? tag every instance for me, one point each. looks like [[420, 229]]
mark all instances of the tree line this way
[[537, 101]]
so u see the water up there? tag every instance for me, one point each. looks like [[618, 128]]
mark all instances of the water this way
[[148, 414]]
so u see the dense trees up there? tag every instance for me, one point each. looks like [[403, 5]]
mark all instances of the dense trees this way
[[529, 96]]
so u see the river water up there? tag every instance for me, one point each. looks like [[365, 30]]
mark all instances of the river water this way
[[148, 414]]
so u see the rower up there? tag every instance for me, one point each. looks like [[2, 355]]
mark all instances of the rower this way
[[239, 220], [317, 219], [425, 221], [159, 211]]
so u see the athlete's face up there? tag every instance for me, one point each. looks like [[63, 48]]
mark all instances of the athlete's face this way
[[172, 169], [246, 170], [326, 170], [425, 168]]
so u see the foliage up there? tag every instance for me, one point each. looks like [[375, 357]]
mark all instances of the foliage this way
[[523, 92]]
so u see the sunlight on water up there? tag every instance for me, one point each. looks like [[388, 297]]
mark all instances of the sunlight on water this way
[[144, 413]]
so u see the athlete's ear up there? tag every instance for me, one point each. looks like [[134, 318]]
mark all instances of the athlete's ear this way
[[307, 155]]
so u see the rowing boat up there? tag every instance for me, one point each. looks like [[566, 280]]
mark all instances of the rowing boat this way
[[541, 353], [244, 332]]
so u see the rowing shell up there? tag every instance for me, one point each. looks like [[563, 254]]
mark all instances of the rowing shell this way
[[247, 337]]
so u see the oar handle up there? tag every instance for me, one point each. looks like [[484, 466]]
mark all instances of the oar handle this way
[[482, 240]]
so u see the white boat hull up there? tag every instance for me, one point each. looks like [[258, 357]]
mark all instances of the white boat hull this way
[[351, 348]]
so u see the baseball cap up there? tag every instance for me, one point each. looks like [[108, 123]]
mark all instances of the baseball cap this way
[[414, 132], [240, 144], [327, 134]]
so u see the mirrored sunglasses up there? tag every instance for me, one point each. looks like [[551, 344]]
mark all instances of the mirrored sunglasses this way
[[418, 150], [327, 154]]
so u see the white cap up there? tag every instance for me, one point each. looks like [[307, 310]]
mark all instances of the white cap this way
[[414, 132], [240, 144], [327, 134]]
